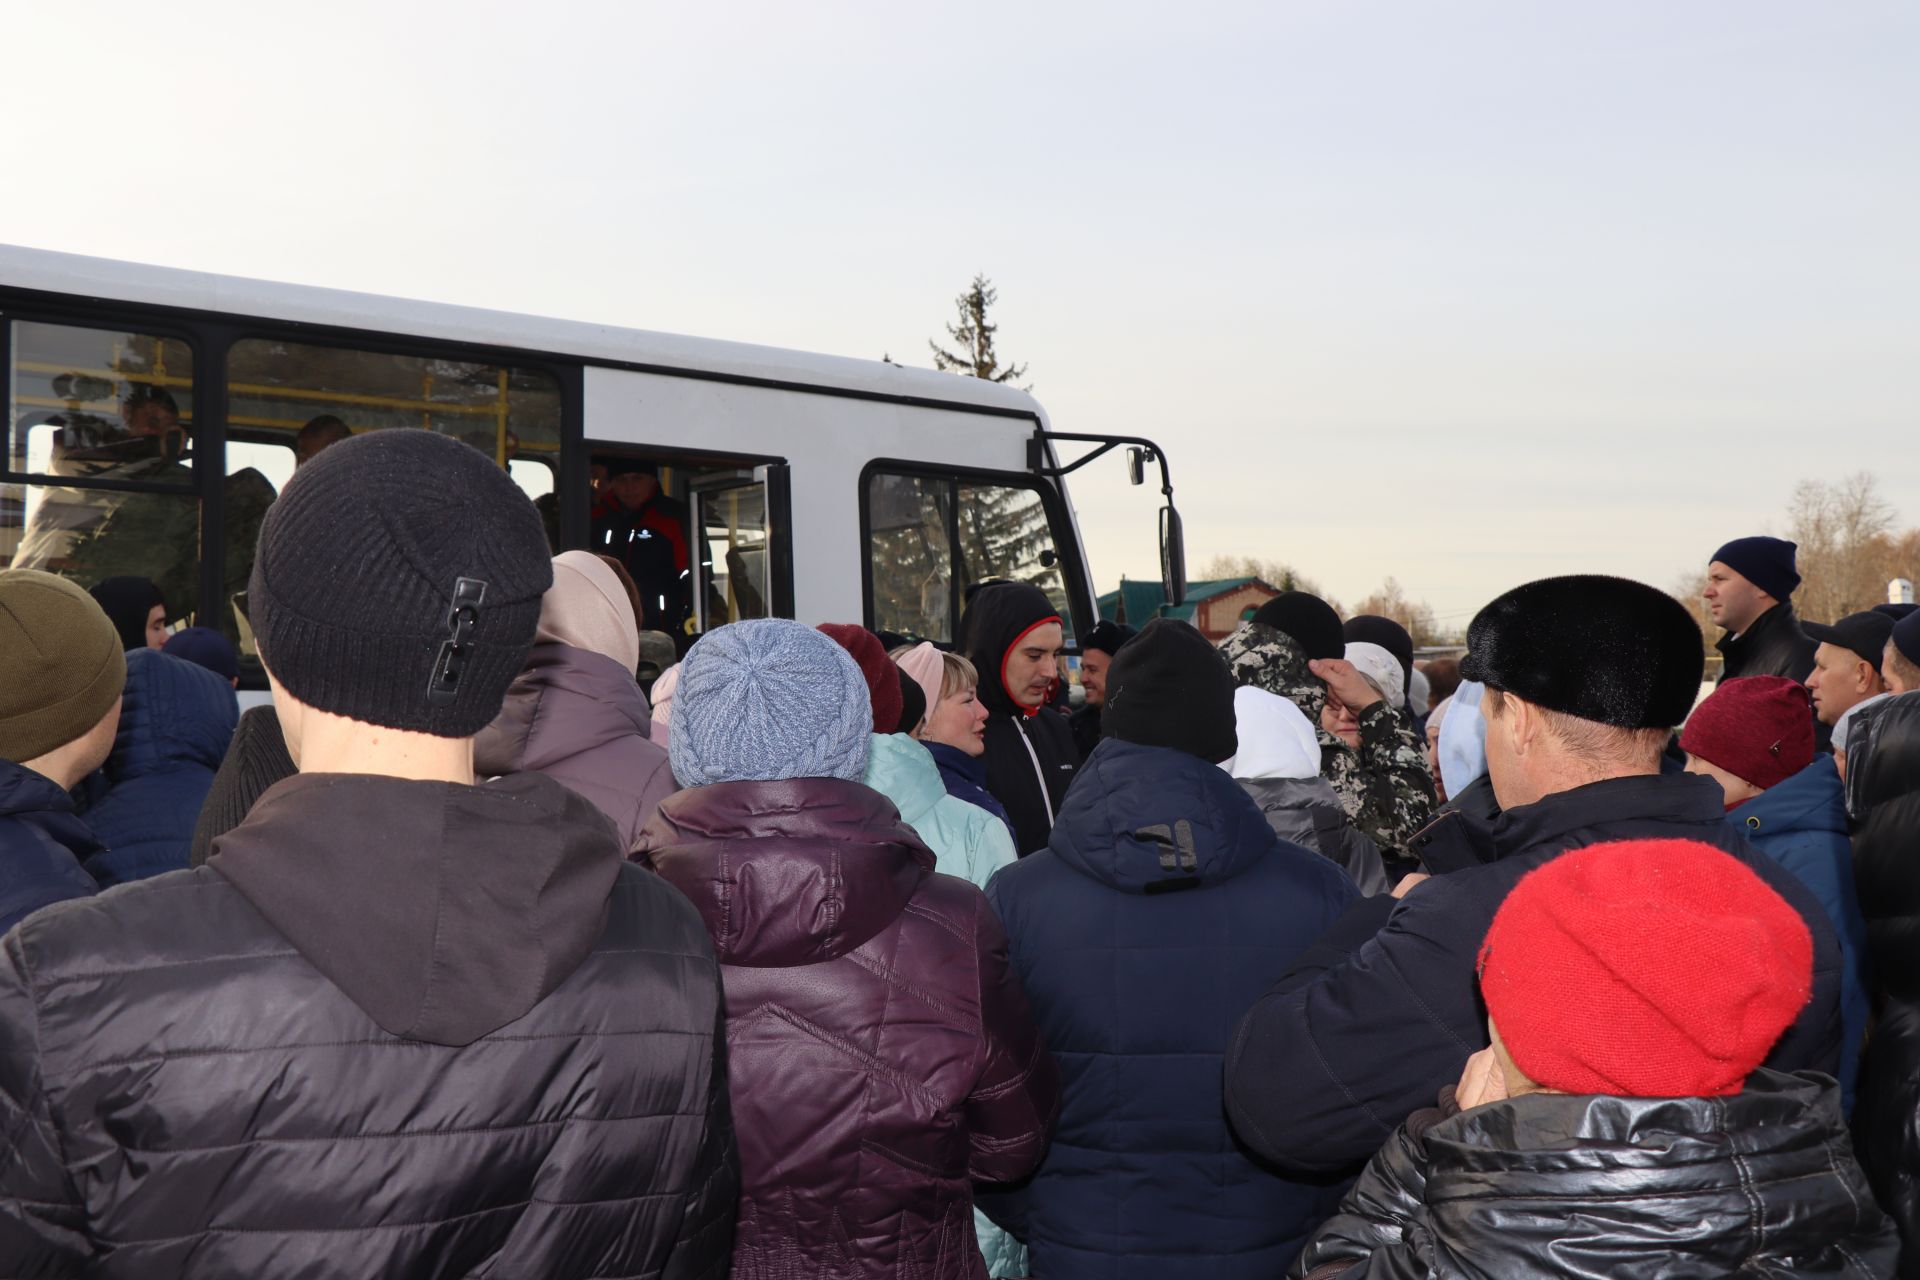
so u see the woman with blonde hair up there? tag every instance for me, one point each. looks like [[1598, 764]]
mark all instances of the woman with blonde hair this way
[[955, 728]]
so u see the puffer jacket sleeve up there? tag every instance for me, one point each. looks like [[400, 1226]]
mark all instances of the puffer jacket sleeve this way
[[703, 1250], [1376, 1234], [1371, 1019], [1016, 1094], [43, 1228], [989, 847]]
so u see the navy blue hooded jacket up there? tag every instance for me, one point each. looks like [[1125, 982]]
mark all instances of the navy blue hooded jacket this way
[[175, 723], [41, 843], [1161, 909], [1802, 825]]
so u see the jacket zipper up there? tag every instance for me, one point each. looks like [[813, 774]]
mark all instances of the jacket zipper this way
[[1046, 797]]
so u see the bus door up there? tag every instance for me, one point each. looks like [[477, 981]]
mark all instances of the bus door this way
[[740, 566]]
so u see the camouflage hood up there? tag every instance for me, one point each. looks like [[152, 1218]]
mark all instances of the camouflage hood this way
[[1268, 658]]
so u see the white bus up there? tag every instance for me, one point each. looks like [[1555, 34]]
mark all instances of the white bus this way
[[153, 414]]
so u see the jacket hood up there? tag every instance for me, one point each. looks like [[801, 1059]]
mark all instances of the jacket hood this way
[[1149, 819], [24, 791], [443, 911], [1656, 1181], [1275, 739], [564, 703], [1268, 658], [905, 772], [1811, 800], [173, 713], [787, 873], [992, 625]]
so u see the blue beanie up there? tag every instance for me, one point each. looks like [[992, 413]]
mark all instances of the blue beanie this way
[[768, 699], [1765, 562], [205, 647]]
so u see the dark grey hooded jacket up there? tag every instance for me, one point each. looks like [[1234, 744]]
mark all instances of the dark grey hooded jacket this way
[[391, 1029]]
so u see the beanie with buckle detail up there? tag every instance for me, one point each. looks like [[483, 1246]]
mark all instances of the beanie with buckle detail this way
[[398, 582]]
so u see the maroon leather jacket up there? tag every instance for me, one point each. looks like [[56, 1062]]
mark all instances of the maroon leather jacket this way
[[880, 1050]]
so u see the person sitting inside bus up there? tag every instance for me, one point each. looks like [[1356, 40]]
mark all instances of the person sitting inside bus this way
[[643, 528], [316, 435]]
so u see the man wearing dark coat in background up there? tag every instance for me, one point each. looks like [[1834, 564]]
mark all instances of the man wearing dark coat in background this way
[[324, 1053], [1585, 678], [1096, 654], [1012, 634], [1750, 584]]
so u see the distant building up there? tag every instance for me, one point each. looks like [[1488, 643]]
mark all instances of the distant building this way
[[1216, 608]]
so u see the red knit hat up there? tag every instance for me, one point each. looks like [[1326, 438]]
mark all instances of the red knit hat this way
[[1759, 728], [1644, 969], [882, 677]]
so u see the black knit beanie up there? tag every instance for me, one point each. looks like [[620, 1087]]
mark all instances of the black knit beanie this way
[[1768, 563], [398, 582], [128, 602], [1310, 620], [1169, 687], [1605, 649]]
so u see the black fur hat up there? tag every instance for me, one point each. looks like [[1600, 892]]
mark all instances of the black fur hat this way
[[1605, 649]]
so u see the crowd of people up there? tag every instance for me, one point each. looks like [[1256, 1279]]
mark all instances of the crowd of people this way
[[491, 948]]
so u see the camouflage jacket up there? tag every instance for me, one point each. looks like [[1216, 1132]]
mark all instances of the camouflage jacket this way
[[1385, 786]]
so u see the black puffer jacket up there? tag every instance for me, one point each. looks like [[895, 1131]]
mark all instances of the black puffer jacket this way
[[1598, 1188], [1883, 798], [1031, 756], [323, 1054]]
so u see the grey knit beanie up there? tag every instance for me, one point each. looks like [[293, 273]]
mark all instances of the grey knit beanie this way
[[398, 582], [768, 699]]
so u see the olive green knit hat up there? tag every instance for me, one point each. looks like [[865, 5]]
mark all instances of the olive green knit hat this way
[[61, 660]]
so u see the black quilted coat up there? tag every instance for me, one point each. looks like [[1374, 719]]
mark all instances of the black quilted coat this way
[[1561, 1187], [391, 1029], [1883, 797]]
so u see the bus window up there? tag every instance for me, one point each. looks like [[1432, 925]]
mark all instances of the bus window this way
[[1003, 533], [924, 531], [910, 554], [287, 401], [89, 408]]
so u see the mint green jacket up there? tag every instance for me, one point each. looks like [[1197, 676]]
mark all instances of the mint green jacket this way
[[966, 840]]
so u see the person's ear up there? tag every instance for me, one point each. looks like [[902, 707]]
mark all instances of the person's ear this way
[[1522, 724]]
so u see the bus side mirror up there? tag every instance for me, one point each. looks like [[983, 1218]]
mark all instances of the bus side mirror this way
[[1173, 557], [1137, 465]]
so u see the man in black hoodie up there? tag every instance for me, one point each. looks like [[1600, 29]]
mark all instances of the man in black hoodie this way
[[399, 1024], [1013, 635]]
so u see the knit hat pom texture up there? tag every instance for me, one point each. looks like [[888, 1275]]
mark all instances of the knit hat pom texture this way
[[767, 700]]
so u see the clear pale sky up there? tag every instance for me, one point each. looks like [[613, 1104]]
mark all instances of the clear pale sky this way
[[1467, 293]]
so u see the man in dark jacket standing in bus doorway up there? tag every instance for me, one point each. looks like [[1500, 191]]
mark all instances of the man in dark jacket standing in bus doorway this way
[[399, 1024], [1013, 635], [646, 531], [1585, 678]]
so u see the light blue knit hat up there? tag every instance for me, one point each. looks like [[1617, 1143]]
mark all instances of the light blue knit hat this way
[[768, 699]]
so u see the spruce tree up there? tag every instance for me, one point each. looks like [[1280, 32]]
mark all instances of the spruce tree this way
[[974, 337]]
